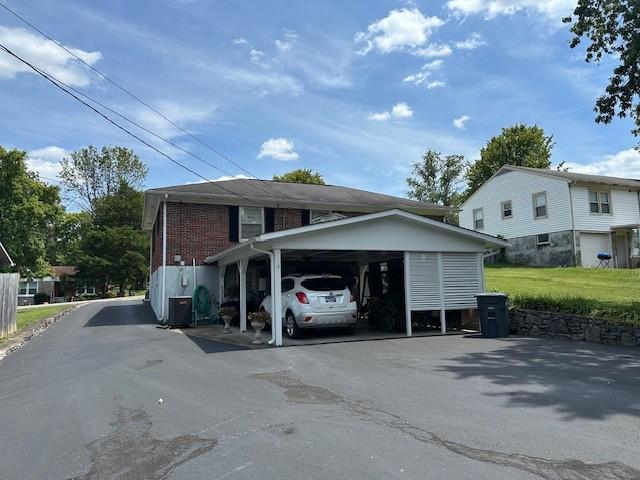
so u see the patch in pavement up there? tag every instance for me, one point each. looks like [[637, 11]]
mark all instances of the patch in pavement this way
[[566, 469], [149, 363], [131, 452]]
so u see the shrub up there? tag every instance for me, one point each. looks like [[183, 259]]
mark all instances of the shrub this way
[[609, 311], [386, 313], [41, 297]]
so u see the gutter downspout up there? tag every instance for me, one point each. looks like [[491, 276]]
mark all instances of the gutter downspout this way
[[271, 260], [164, 255], [573, 229]]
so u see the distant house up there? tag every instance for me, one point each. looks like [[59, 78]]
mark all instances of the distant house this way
[[60, 286], [554, 218]]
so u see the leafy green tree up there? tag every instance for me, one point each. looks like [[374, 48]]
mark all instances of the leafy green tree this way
[[520, 145], [63, 245], [437, 179], [89, 174], [300, 175], [613, 29], [29, 213]]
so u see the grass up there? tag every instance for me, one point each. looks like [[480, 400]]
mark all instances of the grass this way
[[30, 316], [607, 294]]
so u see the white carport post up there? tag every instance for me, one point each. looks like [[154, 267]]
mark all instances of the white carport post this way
[[242, 269], [443, 310], [276, 290], [407, 292]]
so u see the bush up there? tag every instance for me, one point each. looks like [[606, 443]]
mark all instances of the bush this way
[[609, 311], [41, 297], [386, 313]]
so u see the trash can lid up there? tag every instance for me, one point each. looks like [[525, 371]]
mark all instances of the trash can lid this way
[[492, 294]]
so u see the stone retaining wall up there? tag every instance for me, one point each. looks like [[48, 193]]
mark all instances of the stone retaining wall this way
[[571, 327]]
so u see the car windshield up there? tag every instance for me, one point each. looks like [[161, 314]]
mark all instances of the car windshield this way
[[323, 284]]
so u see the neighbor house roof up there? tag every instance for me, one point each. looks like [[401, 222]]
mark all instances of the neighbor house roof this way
[[283, 195], [5, 259], [59, 270], [577, 177]]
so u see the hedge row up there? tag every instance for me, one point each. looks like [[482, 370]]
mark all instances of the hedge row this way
[[611, 312]]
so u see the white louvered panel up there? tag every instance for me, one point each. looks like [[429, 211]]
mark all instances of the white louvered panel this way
[[424, 281], [461, 279]]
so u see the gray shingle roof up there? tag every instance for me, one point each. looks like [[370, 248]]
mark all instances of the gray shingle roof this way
[[581, 177], [263, 191]]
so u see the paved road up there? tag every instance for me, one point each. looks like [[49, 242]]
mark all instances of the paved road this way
[[81, 401]]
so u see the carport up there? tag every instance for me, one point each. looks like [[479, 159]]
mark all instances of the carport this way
[[442, 263]]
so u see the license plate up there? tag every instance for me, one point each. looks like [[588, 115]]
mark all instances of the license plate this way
[[330, 299]]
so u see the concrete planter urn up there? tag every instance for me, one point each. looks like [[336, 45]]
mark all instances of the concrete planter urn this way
[[227, 314], [258, 321]]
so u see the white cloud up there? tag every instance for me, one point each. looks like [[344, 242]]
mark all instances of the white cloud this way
[[280, 149], [434, 50], [403, 29], [436, 84], [46, 161], [553, 9], [401, 111], [625, 164], [460, 121], [424, 73], [379, 117], [240, 41], [44, 54], [474, 41], [183, 115]]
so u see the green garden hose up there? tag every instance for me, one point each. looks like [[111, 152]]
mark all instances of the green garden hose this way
[[201, 300]]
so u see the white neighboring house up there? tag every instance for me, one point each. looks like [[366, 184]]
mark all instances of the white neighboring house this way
[[557, 218]]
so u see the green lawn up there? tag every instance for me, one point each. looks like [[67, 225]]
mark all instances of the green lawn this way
[[619, 285], [28, 317]]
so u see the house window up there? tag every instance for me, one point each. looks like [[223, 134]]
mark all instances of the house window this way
[[540, 205], [84, 290], [28, 288], [287, 285], [506, 209], [316, 215], [251, 222], [478, 219], [543, 239], [599, 202]]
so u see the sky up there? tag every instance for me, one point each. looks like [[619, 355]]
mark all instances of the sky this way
[[354, 90]]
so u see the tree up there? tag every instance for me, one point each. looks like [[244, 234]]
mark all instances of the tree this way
[[613, 29], [63, 246], [90, 175], [300, 175], [437, 179], [29, 213], [520, 145]]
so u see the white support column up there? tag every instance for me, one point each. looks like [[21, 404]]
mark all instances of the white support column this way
[[443, 310], [407, 292], [221, 271], [481, 272], [242, 269], [276, 290], [163, 309]]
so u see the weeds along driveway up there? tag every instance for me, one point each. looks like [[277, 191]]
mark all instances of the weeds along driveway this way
[[81, 401]]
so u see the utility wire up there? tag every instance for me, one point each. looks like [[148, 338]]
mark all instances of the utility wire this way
[[108, 119], [128, 92]]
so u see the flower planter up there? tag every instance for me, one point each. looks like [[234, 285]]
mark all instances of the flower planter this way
[[257, 326], [227, 323]]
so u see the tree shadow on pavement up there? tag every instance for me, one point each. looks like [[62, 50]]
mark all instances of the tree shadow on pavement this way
[[578, 379], [118, 315]]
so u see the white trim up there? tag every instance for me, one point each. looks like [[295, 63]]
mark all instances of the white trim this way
[[164, 258], [276, 291], [407, 292], [28, 282], [443, 309]]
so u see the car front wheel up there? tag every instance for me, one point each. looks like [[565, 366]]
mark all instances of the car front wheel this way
[[291, 327]]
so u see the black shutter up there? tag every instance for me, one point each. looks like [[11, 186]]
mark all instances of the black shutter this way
[[305, 216], [234, 223], [269, 220]]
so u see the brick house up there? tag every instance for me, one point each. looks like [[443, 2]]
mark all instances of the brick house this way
[[198, 230]]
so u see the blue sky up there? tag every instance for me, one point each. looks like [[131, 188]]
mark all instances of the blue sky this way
[[354, 90]]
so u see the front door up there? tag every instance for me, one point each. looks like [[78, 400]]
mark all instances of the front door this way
[[621, 250]]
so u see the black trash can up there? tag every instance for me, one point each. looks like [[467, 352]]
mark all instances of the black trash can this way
[[492, 308]]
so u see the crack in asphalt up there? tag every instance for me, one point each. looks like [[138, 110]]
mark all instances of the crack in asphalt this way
[[565, 469], [131, 452]]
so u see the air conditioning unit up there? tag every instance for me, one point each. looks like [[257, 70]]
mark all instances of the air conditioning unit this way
[[180, 312]]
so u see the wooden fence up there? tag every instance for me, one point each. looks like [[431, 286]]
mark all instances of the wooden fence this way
[[8, 302]]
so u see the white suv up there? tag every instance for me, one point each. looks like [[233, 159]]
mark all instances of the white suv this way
[[312, 301]]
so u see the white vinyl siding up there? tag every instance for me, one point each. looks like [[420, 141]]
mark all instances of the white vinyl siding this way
[[519, 187], [623, 206], [461, 280]]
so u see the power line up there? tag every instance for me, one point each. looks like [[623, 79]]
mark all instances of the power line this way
[[128, 92], [108, 119]]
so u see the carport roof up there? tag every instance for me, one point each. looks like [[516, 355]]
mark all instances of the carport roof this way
[[267, 238]]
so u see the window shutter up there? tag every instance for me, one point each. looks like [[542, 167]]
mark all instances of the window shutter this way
[[305, 216], [234, 223], [269, 220]]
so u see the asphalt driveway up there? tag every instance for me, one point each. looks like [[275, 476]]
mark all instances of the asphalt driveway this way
[[82, 401]]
